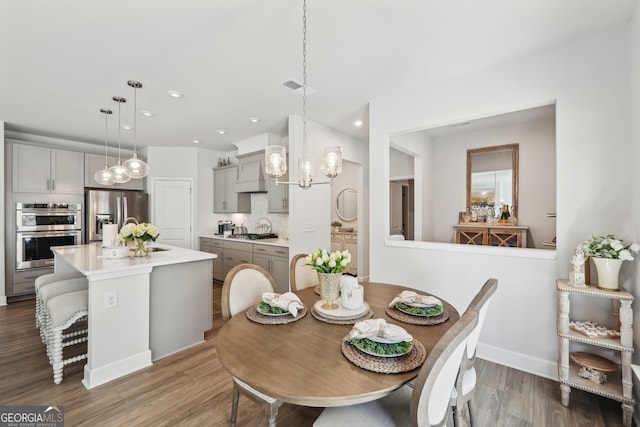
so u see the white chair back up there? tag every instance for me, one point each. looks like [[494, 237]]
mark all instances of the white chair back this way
[[480, 304], [243, 287], [301, 275], [437, 377]]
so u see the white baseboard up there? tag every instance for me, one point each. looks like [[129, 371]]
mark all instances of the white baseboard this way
[[522, 362], [103, 374], [3, 300]]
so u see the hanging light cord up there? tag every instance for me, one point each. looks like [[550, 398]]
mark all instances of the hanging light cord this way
[[106, 136], [119, 126], [135, 122], [304, 81]]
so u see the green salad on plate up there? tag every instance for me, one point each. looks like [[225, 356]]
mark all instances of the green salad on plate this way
[[382, 349], [264, 308], [432, 310]]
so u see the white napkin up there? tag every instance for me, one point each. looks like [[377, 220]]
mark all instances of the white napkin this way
[[379, 328], [287, 301], [349, 282], [409, 297]]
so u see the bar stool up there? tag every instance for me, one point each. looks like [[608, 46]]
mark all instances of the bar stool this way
[[45, 279], [53, 289], [63, 311]]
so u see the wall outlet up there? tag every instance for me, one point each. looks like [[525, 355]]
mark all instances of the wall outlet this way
[[110, 299]]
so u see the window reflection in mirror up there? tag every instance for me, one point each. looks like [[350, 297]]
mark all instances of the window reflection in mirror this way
[[437, 165], [492, 178]]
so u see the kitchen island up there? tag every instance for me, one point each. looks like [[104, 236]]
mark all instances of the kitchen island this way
[[140, 308]]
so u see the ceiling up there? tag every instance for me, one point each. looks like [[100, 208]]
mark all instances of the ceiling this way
[[60, 62]]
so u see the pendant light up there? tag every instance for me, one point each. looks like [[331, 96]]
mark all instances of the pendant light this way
[[276, 155], [119, 172], [104, 176], [135, 167]]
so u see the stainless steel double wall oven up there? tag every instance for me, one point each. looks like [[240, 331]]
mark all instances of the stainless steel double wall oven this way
[[39, 226]]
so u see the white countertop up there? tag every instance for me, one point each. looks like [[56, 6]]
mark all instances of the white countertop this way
[[88, 259], [271, 242]]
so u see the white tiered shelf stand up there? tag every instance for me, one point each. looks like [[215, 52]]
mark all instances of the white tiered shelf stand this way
[[619, 385]]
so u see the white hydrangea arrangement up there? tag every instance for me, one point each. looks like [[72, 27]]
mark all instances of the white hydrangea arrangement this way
[[143, 231], [609, 247]]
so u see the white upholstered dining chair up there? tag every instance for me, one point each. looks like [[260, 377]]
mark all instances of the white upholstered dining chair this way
[[427, 403], [243, 286], [467, 378], [301, 276]]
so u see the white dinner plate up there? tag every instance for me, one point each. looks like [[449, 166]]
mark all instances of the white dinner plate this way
[[340, 313]]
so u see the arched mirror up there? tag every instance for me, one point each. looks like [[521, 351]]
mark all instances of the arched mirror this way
[[347, 204], [492, 177]]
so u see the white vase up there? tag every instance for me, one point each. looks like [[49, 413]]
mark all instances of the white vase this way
[[608, 271]]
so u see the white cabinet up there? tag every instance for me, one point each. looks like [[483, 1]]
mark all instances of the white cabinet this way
[[274, 259], [93, 163], [278, 195], [47, 170], [342, 241], [225, 199], [214, 246], [619, 385]]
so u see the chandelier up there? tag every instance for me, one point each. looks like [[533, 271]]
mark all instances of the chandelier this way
[[276, 155]]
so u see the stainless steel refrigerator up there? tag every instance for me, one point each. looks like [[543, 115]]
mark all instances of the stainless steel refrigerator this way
[[113, 207]]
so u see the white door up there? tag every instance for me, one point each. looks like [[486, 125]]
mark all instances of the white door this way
[[172, 209], [395, 203]]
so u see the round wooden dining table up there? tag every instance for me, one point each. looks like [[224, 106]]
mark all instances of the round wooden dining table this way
[[302, 362]]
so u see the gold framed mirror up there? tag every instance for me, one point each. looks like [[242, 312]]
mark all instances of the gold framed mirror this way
[[492, 176]]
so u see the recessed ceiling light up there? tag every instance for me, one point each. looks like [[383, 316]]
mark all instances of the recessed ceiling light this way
[[146, 113], [221, 131], [126, 127], [254, 119], [358, 123], [175, 94], [195, 141]]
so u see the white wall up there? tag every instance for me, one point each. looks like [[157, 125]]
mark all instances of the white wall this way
[[310, 210], [537, 177], [634, 202], [589, 80], [3, 294]]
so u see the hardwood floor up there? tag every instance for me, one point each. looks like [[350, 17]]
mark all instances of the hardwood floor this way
[[192, 389]]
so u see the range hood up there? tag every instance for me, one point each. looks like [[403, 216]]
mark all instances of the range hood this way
[[251, 176]]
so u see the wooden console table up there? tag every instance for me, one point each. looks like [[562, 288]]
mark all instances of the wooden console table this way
[[481, 233]]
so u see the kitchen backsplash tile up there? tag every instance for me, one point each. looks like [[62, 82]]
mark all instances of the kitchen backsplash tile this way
[[259, 207]]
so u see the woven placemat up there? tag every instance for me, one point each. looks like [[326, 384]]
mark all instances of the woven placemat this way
[[367, 315], [255, 316], [416, 320], [386, 365]]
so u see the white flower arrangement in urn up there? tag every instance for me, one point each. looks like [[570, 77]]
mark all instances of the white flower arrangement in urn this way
[[608, 252], [329, 267], [140, 233]]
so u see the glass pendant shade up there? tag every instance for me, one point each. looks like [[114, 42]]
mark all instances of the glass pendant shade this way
[[104, 176], [275, 157], [135, 167], [119, 173], [331, 160], [305, 172]]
